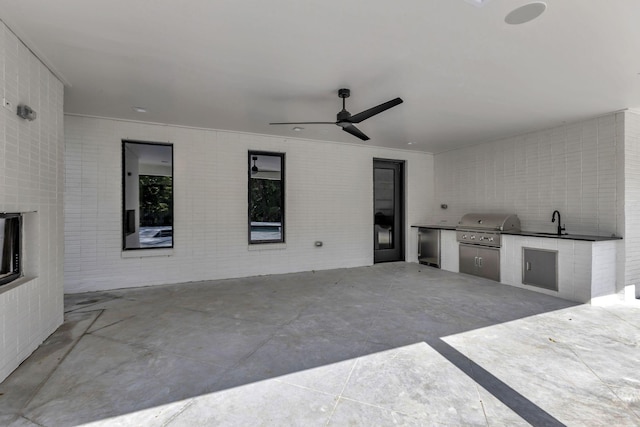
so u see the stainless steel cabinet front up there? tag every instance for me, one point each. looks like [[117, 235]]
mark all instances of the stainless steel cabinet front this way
[[468, 259], [480, 261], [540, 268], [429, 247], [489, 263]]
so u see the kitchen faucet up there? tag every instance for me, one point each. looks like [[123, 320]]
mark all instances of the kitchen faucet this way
[[553, 219]]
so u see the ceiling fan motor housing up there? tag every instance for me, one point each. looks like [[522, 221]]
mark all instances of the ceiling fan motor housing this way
[[343, 118], [344, 93]]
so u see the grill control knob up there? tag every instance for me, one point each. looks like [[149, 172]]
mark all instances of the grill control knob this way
[[473, 237], [482, 238], [491, 239], [464, 236]]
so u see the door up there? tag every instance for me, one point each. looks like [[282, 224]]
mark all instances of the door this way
[[468, 259], [480, 261], [388, 224], [540, 268], [489, 263]]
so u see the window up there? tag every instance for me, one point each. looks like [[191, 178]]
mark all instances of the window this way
[[266, 197], [147, 195], [10, 254]]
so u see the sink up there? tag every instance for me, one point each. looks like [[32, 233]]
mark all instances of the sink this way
[[550, 234]]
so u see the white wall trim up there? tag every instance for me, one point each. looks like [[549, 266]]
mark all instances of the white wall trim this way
[[281, 137]]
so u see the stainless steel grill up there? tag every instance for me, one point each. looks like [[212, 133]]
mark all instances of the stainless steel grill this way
[[479, 236], [485, 229]]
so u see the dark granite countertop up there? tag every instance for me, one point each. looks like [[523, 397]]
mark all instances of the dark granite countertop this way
[[583, 237], [437, 227]]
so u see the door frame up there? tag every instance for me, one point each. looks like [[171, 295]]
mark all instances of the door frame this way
[[399, 216]]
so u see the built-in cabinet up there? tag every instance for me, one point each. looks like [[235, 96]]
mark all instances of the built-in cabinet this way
[[583, 271], [577, 270], [540, 268], [480, 261]]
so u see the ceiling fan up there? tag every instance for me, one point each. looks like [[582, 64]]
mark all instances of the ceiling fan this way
[[344, 118]]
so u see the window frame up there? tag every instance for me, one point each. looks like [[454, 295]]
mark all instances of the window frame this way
[[16, 261], [282, 157], [124, 230]]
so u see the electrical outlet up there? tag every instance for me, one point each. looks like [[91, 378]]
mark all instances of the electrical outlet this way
[[7, 104]]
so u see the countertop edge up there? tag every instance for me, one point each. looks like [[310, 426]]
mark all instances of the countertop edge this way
[[579, 237], [436, 227]]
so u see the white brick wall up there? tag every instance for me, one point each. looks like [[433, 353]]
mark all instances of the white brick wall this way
[[603, 268], [632, 200], [449, 255], [574, 265], [31, 180], [572, 168], [329, 195]]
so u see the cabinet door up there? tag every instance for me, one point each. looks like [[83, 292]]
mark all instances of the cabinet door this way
[[540, 268], [489, 263], [468, 259]]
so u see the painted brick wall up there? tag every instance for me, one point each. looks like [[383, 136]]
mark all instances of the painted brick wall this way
[[31, 180], [574, 265], [632, 200], [329, 194], [573, 168]]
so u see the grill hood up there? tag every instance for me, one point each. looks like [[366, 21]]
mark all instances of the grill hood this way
[[489, 221]]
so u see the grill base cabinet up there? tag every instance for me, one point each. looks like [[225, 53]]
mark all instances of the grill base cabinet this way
[[480, 261], [540, 268]]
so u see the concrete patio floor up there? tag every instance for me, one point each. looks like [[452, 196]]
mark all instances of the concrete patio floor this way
[[392, 344]]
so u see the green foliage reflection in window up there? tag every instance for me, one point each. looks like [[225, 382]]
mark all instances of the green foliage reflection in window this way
[[156, 195]]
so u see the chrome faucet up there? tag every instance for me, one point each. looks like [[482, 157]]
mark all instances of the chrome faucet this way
[[553, 219]]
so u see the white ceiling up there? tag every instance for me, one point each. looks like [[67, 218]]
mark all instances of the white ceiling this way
[[464, 74]]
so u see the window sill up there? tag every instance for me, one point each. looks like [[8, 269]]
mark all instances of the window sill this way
[[18, 282], [147, 253], [267, 247]]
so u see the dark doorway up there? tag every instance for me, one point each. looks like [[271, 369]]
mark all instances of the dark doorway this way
[[388, 203]]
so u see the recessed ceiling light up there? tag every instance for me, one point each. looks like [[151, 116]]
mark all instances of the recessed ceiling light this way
[[139, 109], [525, 13], [298, 128], [410, 143], [477, 3]]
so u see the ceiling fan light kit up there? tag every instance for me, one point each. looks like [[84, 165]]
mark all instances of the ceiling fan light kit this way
[[345, 120]]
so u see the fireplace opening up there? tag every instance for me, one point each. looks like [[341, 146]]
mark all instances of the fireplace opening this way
[[10, 252]]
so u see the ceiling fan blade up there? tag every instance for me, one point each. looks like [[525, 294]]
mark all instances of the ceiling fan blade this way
[[304, 123], [357, 118], [355, 132]]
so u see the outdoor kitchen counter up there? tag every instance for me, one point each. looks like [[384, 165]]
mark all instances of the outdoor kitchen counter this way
[[586, 264], [436, 227], [583, 237]]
